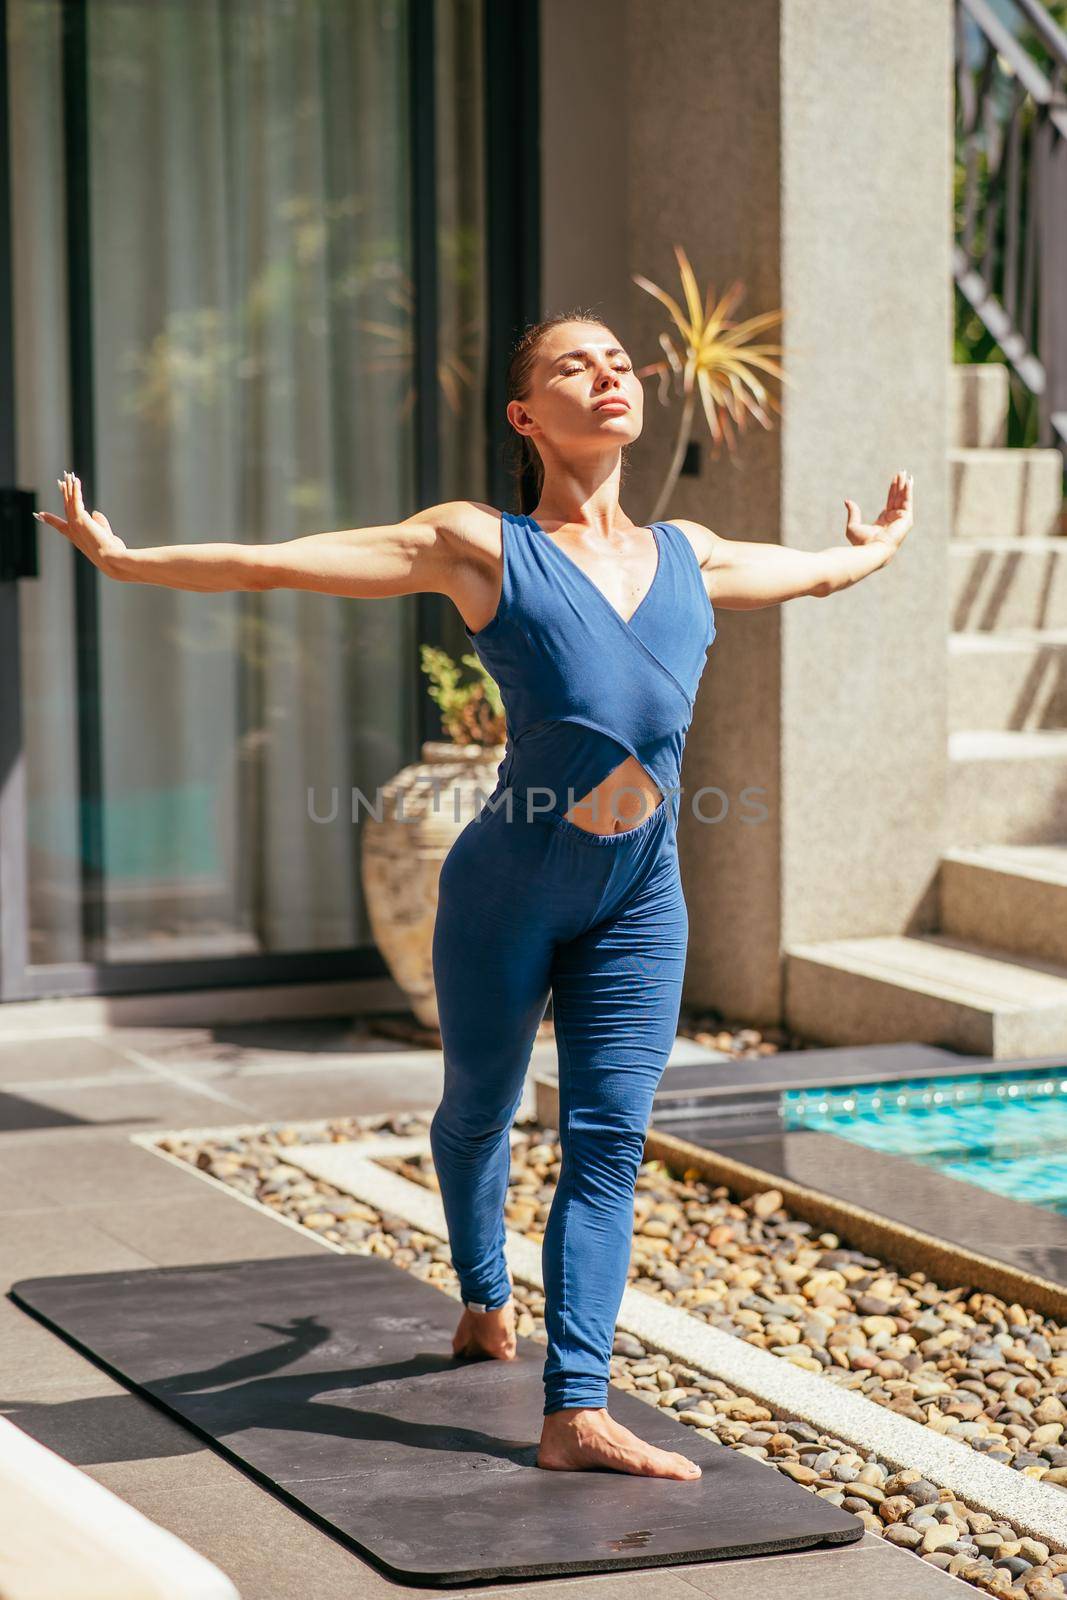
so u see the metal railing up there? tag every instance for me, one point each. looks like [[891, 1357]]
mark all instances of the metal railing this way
[[1010, 257]]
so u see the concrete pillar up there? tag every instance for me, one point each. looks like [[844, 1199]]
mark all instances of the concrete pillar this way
[[804, 146]]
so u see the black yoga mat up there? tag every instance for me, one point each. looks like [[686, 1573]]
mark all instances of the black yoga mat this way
[[332, 1381]]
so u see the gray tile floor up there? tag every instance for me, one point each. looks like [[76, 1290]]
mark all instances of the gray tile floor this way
[[77, 1196]]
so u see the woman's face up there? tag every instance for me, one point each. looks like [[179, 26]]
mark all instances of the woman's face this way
[[579, 366]]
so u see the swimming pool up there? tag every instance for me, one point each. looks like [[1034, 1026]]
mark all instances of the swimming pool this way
[[1005, 1132]]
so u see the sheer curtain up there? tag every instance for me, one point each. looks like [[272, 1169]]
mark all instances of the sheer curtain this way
[[251, 329]]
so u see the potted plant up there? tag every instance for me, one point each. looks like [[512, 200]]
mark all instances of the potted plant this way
[[423, 809]]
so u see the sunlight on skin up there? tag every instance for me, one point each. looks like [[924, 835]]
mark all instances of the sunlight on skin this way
[[575, 1438]]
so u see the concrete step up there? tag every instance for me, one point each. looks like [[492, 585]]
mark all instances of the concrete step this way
[[978, 405], [1011, 494], [928, 988], [1009, 680], [1007, 787], [1011, 896], [1001, 584]]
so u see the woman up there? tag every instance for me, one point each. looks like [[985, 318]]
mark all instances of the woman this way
[[567, 881]]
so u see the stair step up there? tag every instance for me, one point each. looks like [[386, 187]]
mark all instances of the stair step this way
[[1007, 787], [928, 988], [978, 404], [1006, 493], [1000, 584], [1010, 680], [1013, 897]]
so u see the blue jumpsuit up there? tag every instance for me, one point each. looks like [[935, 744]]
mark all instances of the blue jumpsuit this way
[[531, 904]]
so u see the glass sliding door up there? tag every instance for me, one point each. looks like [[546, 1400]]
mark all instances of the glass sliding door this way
[[213, 212]]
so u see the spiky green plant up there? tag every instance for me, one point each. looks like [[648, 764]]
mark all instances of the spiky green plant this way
[[717, 362]]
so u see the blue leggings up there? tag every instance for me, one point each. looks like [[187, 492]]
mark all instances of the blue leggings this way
[[528, 905]]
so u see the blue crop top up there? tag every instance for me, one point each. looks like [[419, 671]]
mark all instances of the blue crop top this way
[[583, 688]]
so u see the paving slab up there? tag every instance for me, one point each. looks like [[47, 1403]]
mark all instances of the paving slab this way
[[355, 1093], [58, 1057], [105, 1168], [164, 1231], [142, 1099], [19, 1112], [60, 1241], [846, 1064], [139, 1097], [268, 1549], [331, 1379], [35, 1361], [654, 1583], [99, 1423], [22, 1191]]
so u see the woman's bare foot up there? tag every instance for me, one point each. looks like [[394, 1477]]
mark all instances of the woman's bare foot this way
[[583, 1437], [487, 1333]]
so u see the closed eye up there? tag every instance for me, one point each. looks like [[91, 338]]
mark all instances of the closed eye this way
[[568, 372]]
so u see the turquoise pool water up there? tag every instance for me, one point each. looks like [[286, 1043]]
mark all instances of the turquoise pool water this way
[[1005, 1132]]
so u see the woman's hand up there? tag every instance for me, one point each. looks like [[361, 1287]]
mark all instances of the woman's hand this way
[[892, 523], [91, 534]]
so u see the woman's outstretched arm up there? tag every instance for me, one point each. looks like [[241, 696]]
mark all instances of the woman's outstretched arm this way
[[417, 555], [742, 575]]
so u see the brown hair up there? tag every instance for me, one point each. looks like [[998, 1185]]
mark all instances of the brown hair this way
[[526, 467]]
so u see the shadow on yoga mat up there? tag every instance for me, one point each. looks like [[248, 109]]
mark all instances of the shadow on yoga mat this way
[[332, 1381]]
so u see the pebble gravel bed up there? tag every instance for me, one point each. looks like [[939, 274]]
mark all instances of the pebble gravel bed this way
[[751, 1270]]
